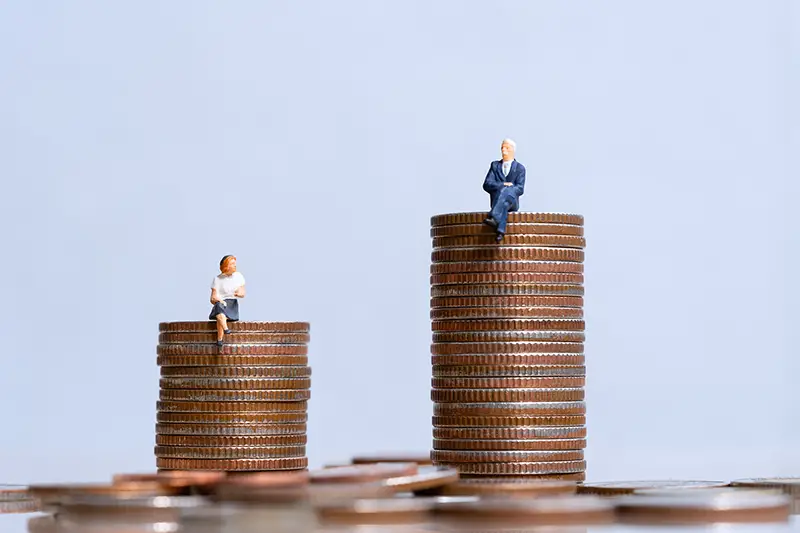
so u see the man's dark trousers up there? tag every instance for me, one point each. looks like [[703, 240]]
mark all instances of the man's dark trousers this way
[[505, 204]]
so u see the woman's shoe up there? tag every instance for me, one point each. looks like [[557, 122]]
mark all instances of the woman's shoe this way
[[227, 332], [219, 343]]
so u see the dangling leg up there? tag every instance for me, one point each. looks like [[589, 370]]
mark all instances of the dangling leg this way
[[500, 212], [222, 327]]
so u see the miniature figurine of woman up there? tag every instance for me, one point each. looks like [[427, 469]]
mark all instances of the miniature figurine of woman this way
[[226, 289]]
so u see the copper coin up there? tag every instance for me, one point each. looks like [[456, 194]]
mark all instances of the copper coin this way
[[232, 407], [224, 441], [506, 253], [529, 359], [229, 452], [506, 348], [470, 241], [502, 513], [184, 361], [230, 430], [17, 499], [511, 229], [54, 494], [502, 267], [234, 338], [550, 382], [208, 325], [508, 445], [704, 506], [218, 352], [235, 384], [508, 336], [376, 512], [517, 468], [511, 289], [219, 371], [232, 418], [193, 395], [418, 458], [506, 395], [574, 476], [510, 410], [427, 478], [363, 472], [495, 422], [508, 370], [612, 488], [513, 218], [508, 325], [507, 301], [473, 241], [789, 485], [488, 435], [526, 456], [292, 463], [500, 487], [469, 313], [175, 478], [514, 278], [268, 487]]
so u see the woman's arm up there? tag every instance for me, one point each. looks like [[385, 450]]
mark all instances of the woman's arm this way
[[214, 297], [240, 292]]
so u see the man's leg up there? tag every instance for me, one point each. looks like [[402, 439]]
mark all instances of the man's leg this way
[[500, 210]]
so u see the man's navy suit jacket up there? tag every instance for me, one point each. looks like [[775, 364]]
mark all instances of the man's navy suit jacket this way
[[493, 184]]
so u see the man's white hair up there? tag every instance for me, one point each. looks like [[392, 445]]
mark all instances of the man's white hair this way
[[509, 142]]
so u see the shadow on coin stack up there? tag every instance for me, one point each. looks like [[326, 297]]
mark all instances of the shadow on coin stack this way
[[507, 353], [239, 407]]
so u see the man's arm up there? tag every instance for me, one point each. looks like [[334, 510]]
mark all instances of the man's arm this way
[[491, 183], [519, 186]]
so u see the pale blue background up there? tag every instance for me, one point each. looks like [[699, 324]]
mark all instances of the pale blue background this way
[[141, 141]]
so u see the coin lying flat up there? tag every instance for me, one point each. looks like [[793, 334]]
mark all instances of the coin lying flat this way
[[543, 396], [219, 371], [501, 487], [442, 371], [508, 336], [517, 468], [511, 229], [542, 429], [789, 485], [271, 384], [17, 499], [231, 441], [506, 253], [238, 338], [470, 241], [232, 407], [509, 278], [463, 348], [506, 382], [294, 463], [704, 506], [232, 418], [511, 289], [527, 456], [610, 488], [184, 361], [508, 325], [232, 349], [484, 444], [209, 326], [502, 513], [362, 472], [524, 359], [469, 313], [515, 217], [267, 395], [418, 458], [229, 452], [502, 267], [230, 430]]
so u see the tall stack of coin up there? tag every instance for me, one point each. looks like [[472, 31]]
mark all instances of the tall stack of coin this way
[[507, 352], [242, 406]]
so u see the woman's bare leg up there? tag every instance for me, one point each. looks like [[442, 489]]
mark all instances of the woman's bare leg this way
[[222, 325]]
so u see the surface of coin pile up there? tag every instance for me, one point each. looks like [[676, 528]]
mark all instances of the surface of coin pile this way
[[507, 352], [239, 407]]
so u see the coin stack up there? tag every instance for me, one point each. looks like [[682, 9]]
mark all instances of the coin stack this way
[[242, 406], [507, 353]]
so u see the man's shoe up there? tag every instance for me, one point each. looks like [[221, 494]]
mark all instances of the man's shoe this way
[[489, 221], [500, 237]]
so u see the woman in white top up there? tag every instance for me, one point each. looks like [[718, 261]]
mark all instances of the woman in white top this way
[[226, 289]]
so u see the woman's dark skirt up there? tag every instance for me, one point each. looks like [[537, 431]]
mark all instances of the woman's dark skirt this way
[[231, 310]]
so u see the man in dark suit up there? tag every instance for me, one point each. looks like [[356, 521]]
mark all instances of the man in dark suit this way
[[505, 183]]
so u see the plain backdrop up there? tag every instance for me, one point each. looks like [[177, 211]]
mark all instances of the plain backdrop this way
[[141, 141]]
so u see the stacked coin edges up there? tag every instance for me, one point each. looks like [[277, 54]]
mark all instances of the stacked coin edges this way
[[507, 353], [239, 407]]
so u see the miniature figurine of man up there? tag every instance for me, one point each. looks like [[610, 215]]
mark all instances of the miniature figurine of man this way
[[505, 183], [226, 289]]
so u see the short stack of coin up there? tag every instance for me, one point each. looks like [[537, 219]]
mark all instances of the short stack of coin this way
[[239, 407], [507, 352]]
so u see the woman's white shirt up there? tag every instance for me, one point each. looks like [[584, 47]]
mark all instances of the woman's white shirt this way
[[226, 285]]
